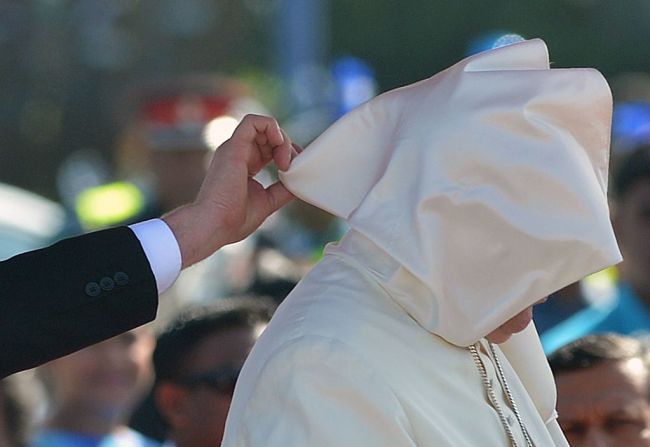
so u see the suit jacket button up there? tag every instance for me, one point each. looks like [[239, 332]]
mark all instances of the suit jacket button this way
[[107, 283], [93, 289], [121, 278]]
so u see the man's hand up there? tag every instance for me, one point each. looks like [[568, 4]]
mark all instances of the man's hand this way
[[231, 204]]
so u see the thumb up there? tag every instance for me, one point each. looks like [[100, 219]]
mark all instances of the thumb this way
[[278, 195]]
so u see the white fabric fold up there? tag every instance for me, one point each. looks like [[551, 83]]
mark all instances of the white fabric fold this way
[[487, 182], [470, 195]]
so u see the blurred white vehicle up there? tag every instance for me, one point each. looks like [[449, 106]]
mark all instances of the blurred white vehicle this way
[[27, 221]]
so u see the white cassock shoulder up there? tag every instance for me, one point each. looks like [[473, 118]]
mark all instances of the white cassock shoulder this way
[[315, 391]]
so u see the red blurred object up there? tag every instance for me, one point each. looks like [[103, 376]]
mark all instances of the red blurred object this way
[[184, 109]]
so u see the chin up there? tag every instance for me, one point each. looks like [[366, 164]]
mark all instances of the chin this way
[[498, 337]]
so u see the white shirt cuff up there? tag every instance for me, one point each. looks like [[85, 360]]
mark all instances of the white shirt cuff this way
[[162, 251]]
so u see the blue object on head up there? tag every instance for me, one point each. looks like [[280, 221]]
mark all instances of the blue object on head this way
[[492, 40], [631, 120], [355, 83]]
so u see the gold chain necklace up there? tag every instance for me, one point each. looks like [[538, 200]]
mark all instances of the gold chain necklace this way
[[493, 397]]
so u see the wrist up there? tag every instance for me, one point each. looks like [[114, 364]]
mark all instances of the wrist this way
[[197, 236]]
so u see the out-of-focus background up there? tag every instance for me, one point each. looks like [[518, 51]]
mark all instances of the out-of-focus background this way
[[65, 64], [110, 109]]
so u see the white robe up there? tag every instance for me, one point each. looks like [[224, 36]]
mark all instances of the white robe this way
[[471, 195], [342, 364]]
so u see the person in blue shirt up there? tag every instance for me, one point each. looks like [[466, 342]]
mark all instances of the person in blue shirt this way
[[615, 300], [93, 391]]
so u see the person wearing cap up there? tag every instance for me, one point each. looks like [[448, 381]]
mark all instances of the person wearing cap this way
[[470, 196], [86, 289], [169, 130], [177, 124], [174, 126]]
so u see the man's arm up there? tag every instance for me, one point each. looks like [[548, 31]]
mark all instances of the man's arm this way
[[74, 293], [89, 288], [231, 204]]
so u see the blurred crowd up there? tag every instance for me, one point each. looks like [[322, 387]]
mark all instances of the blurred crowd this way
[[170, 382]]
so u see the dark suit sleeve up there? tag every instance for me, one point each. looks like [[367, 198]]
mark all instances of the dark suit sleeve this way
[[72, 294]]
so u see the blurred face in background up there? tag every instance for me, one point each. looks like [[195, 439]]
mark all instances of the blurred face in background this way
[[605, 405], [632, 224], [196, 406], [179, 174], [106, 379], [5, 429]]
